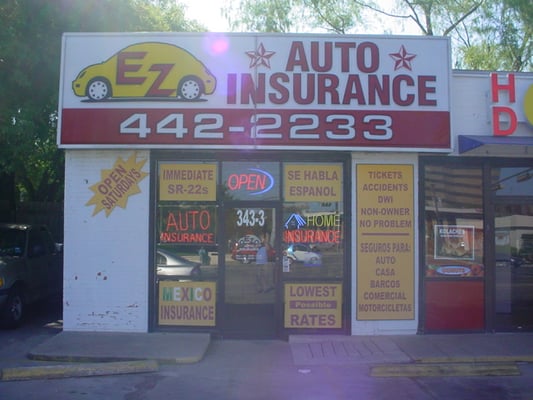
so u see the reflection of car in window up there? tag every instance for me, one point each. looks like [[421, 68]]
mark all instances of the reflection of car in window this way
[[302, 253], [153, 70], [172, 266]]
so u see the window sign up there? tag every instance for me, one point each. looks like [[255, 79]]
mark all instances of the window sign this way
[[187, 181], [454, 242], [187, 303], [385, 242], [187, 225], [313, 305], [250, 181], [313, 228], [117, 184], [312, 240], [312, 182]]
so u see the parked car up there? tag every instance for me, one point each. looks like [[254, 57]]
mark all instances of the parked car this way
[[31, 269], [154, 70], [172, 266], [302, 253]]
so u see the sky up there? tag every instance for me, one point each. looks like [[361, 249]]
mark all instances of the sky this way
[[208, 13]]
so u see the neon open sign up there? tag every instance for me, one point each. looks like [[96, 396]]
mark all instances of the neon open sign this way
[[255, 181]]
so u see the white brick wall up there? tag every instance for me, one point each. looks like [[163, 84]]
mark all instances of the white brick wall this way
[[106, 258]]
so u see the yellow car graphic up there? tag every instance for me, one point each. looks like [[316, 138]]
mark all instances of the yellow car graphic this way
[[147, 70]]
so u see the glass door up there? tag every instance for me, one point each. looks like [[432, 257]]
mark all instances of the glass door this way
[[250, 272], [513, 246]]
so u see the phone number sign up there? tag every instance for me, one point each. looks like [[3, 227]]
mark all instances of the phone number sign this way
[[182, 91]]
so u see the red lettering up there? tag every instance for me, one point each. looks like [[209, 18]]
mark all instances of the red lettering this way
[[310, 86], [496, 121], [508, 87], [275, 82], [297, 58], [327, 57], [397, 83], [364, 50], [247, 182], [424, 90], [328, 83], [190, 220], [251, 93], [375, 87], [311, 236], [155, 90], [354, 90], [345, 54], [123, 67]]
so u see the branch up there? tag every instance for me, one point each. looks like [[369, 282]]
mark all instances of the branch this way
[[371, 7], [454, 25], [415, 18]]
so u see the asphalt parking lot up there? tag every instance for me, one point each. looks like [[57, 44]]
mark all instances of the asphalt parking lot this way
[[302, 368]]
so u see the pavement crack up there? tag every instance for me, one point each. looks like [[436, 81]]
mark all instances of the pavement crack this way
[[148, 383]]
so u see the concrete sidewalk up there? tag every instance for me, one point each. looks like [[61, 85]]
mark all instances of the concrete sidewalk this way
[[106, 353], [165, 348], [485, 347], [419, 355], [98, 353]]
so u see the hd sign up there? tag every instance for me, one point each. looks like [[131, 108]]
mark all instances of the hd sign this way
[[254, 91]]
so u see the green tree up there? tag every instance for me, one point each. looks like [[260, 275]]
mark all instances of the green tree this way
[[30, 52], [485, 34], [337, 16], [501, 38]]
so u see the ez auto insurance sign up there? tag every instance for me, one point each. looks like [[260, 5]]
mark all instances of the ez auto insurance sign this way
[[221, 91]]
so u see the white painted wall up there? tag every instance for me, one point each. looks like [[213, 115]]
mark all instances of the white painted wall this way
[[384, 327], [105, 258]]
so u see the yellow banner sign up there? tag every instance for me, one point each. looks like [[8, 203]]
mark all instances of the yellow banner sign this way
[[313, 182], [385, 242], [187, 303], [117, 185], [188, 182], [313, 305]]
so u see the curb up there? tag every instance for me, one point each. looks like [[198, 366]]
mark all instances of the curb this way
[[103, 359], [447, 369], [477, 359], [80, 370]]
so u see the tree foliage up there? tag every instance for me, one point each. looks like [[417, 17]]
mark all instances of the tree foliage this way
[[486, 34], [501, 38], [284, 16], [30, 52]]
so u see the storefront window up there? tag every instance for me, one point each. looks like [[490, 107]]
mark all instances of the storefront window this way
[[313, 245], [187, 246], [454, 222], [454, 265], [512, 181], [244, 231]]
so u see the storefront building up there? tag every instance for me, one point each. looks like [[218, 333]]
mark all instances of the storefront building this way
[[268, 185]]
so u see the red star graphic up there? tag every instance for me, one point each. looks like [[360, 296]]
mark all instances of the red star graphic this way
[[260, 57], [402, 59]]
